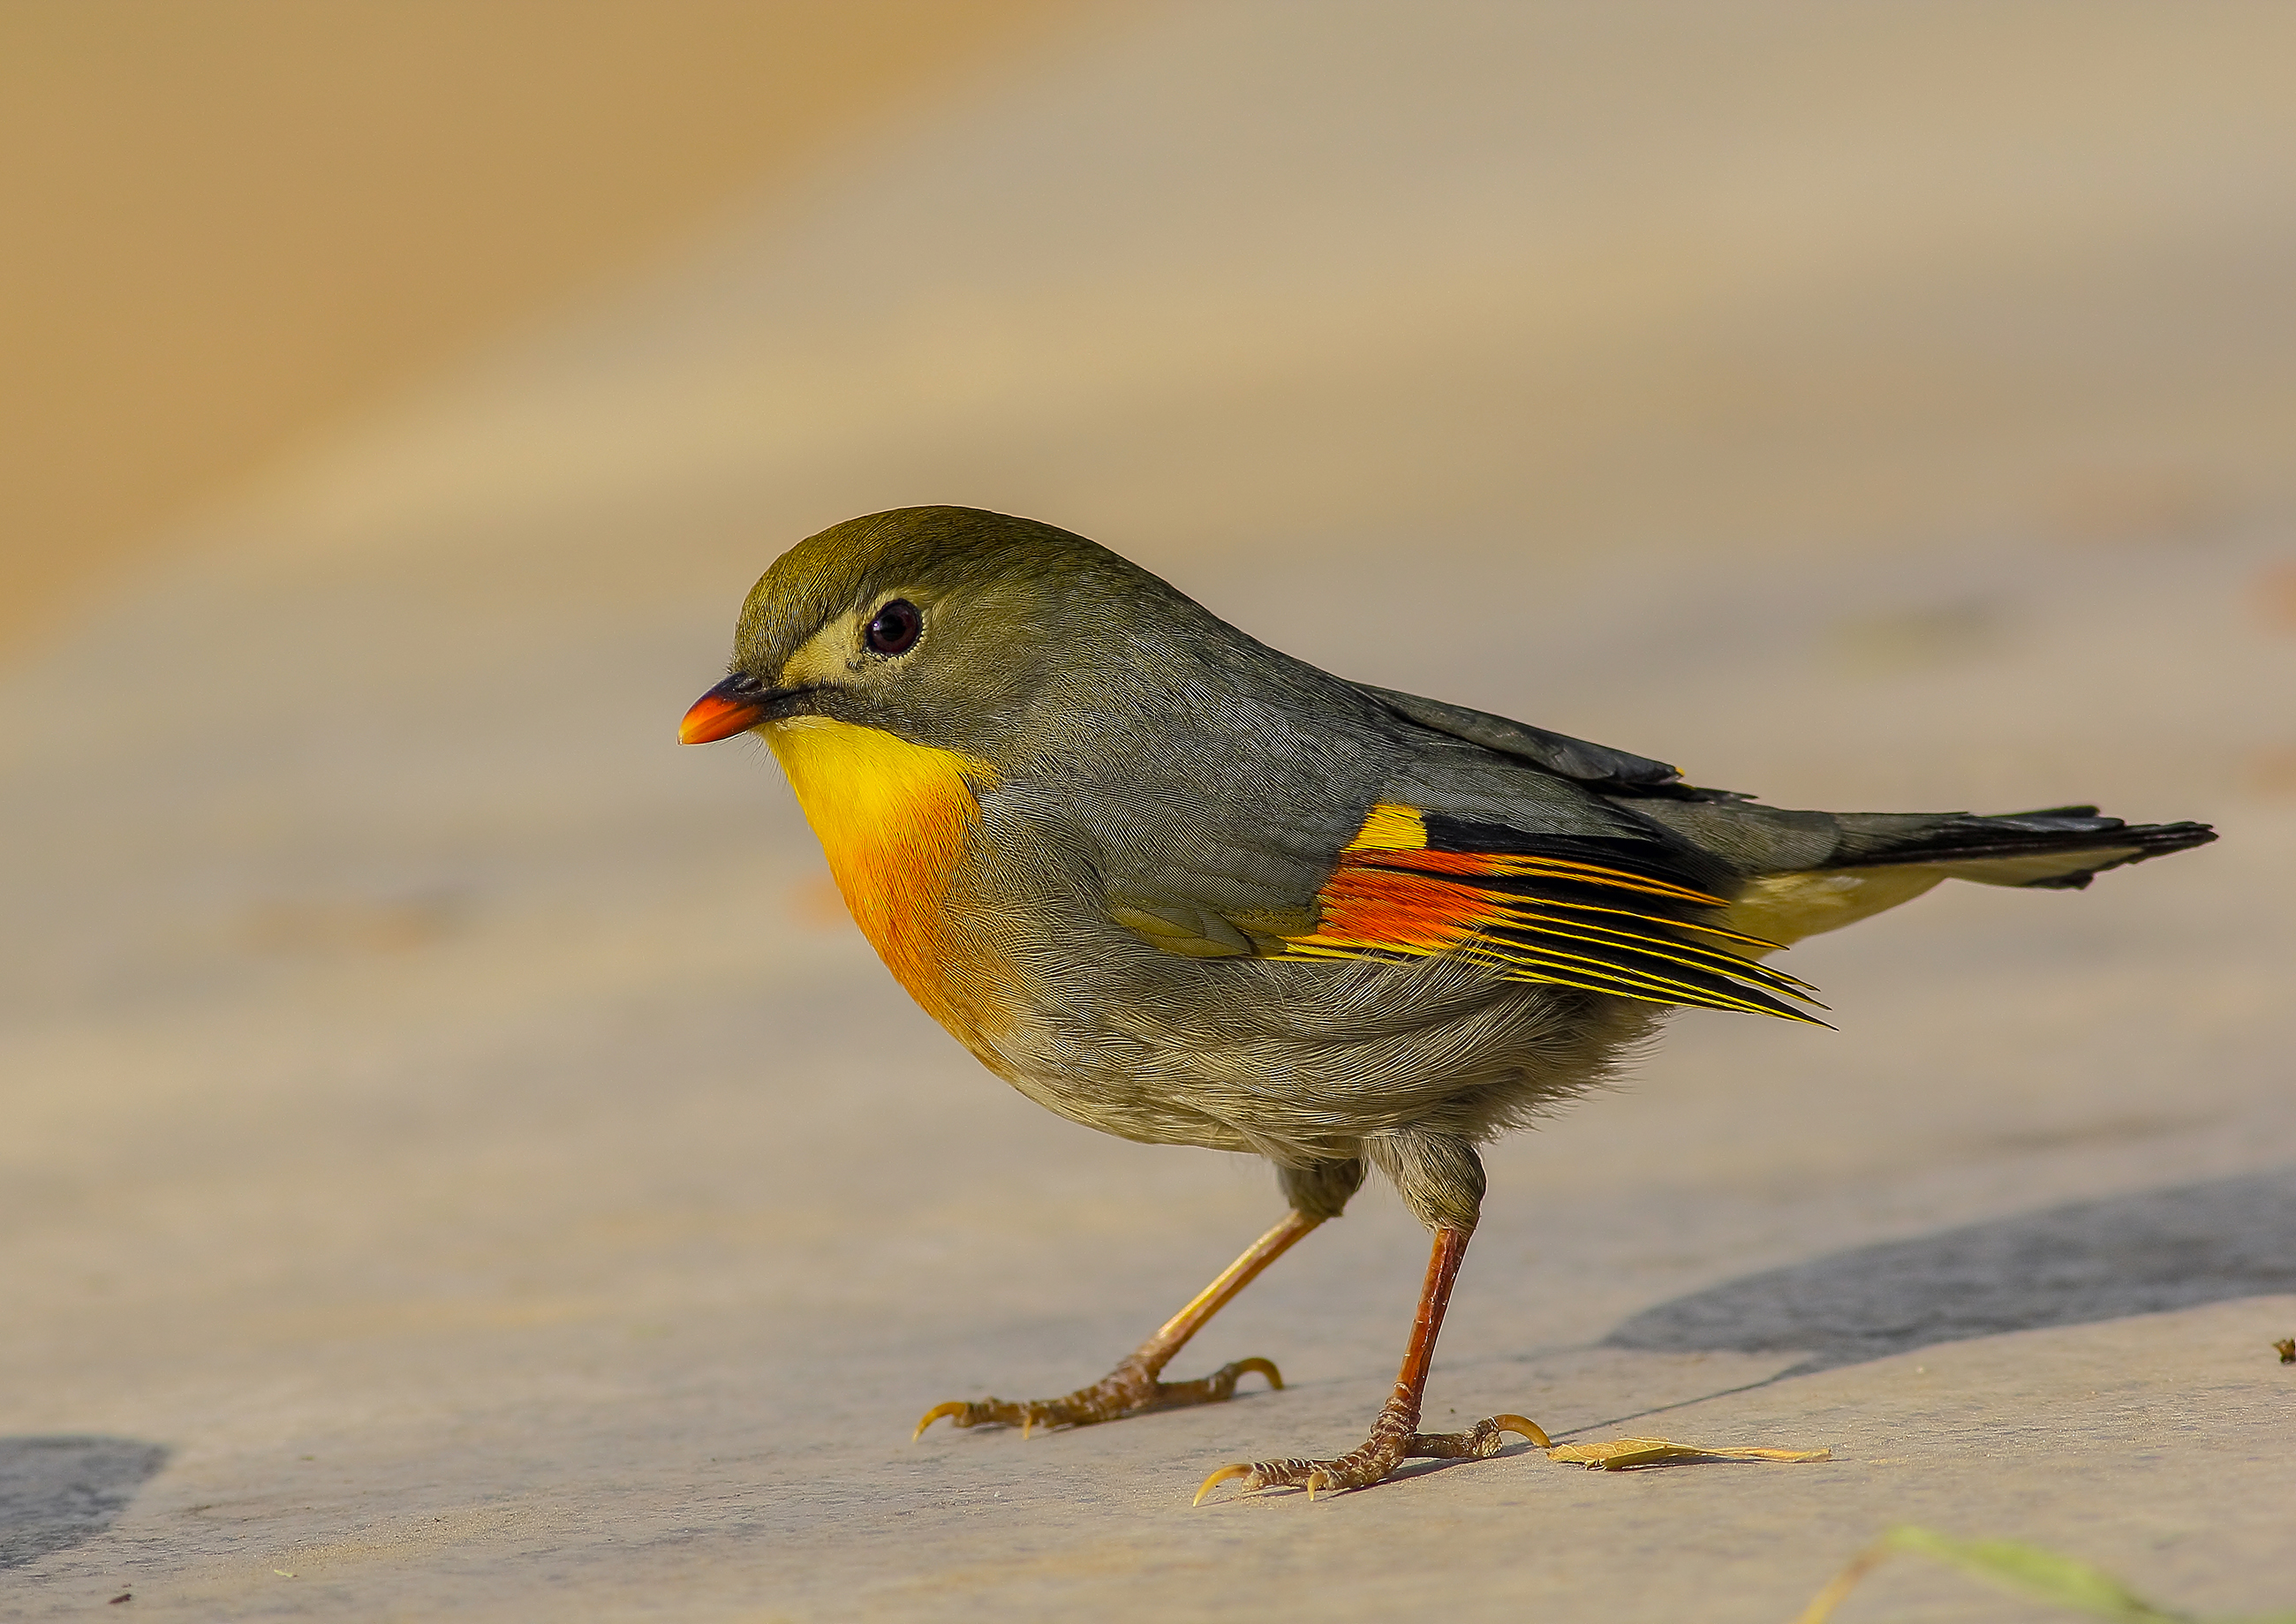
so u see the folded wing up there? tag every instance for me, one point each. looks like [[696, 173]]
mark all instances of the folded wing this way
[[1600, 915]]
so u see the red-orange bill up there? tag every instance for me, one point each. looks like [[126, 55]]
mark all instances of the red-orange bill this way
[[717, 716]]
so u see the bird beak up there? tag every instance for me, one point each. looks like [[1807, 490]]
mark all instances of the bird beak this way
[[734, 706]]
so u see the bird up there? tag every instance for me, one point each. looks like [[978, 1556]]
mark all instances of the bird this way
[[1176, 885]]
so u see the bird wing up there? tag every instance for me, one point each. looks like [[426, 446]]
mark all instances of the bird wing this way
[[1597, 765], [1469, 838], [1602, 912]]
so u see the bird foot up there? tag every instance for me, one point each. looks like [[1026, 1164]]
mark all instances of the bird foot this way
[[1131, 1389], [1392, 1442]]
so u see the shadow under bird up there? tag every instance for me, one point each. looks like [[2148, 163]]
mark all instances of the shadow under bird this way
[[1176, 885]]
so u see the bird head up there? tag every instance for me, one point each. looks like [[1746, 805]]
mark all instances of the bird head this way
[[939, 625]]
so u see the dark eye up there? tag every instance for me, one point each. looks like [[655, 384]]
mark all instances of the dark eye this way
[[895, 628]]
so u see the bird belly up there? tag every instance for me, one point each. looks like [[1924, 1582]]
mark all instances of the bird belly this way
[[896, 820], [1298, 1061]]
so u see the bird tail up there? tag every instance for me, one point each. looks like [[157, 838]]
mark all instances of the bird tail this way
[[1881, 859], [2058, 849]]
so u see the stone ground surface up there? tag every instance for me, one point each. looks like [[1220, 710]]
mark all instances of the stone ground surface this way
[[459, 1164]]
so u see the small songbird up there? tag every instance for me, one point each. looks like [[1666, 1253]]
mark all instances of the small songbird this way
[[1175, 885]]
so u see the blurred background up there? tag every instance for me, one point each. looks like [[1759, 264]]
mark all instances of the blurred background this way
[[233, 225], [456, 1130]]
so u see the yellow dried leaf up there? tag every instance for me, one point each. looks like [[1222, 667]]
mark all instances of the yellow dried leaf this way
[[1623, 1454]]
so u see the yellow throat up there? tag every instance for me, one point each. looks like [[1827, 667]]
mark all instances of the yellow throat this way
[[894, 819]]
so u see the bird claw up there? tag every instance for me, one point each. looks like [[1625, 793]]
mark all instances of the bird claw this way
[[991, 1413], [956, 1408], [1241, 1468], [1388, 1445], [1131, 1389], [1479, 1442]]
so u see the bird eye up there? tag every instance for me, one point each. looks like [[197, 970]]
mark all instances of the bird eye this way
[[895, 628]]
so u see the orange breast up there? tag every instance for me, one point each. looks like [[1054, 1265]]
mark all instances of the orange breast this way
[[895, 819]]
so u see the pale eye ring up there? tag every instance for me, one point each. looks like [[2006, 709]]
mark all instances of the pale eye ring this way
[[895, 629]]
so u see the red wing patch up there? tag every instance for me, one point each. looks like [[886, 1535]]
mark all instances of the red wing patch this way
[[1401, 893]]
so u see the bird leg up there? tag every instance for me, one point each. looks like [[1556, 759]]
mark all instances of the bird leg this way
[[1131, 1388], [1395, 1436]]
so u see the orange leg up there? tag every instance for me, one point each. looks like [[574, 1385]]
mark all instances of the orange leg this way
[[1132, 1389], [1395, 1436]]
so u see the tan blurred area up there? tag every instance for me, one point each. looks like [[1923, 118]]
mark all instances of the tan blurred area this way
[[223, 225]]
